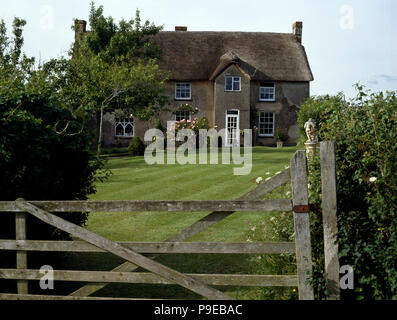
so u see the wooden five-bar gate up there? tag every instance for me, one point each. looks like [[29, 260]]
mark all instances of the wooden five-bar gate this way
[[143, 254]]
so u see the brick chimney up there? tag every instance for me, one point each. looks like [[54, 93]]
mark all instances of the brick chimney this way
[[180, 28], [297, 30], [80, 29]]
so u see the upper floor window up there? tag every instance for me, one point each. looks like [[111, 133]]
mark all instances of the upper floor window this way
[[182, 115], [182, 91], [124, 127], [267, 92], [266, 124], [232, 83]]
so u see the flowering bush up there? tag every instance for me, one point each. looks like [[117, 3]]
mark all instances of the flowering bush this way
[[365, 133], [194, 125], [186, 107]]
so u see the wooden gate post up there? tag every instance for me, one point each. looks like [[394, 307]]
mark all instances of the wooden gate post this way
[[22, 261], [329, 208], [300, 204]]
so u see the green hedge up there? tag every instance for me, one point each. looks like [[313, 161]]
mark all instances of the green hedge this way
[[365, 133]]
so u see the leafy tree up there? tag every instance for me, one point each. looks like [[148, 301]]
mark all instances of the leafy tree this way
[[44, 149], [113, 66]]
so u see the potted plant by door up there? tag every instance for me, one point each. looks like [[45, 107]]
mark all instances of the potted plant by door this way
[[281, 137]]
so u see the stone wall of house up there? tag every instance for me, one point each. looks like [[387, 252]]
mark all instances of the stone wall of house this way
[[212, 101], [289, 97], [230, 100], [202, 97]]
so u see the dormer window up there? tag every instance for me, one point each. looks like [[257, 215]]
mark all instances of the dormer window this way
[[267, 92], [232, 83], [182, 91]]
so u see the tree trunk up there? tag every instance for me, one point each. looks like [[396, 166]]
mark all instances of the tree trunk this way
[[100, 133]]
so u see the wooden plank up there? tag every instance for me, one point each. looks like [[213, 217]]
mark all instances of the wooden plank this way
[[268, 186], [185, 234], [154, 205], [329, 213], [154, 247], [302, 224], [22, 260], [11, 296], [123, 252], [150, 278]]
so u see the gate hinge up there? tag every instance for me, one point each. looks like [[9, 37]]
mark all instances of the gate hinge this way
[[301, 208]]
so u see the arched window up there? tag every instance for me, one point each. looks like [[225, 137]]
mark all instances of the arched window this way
[[119, 130], [124, 127], [128, 130]]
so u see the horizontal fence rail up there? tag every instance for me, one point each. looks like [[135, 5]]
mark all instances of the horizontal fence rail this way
[[154, 205], [13, 296], [150, 278], [154, 247]]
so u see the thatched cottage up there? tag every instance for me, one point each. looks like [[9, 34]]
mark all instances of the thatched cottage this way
[[235, 79]]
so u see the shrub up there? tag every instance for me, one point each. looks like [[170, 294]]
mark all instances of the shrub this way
[[110, 151], [39, 163], [365, 133], [319, 108], [194, 125], [44, 149], [136, 147], [281, 135]]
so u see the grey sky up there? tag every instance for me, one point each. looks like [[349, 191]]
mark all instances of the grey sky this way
[[346, 41]]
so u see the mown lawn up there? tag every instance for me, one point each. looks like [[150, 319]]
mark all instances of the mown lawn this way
[[133, 179]]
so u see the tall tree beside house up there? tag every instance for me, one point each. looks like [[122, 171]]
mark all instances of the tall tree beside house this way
[[112, 66], [44, 150]]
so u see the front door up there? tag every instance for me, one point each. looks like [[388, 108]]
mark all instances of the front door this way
[[232, 133]]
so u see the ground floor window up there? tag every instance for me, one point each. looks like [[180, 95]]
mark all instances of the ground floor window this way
[[124, 127], [182, 115], [266, 124]]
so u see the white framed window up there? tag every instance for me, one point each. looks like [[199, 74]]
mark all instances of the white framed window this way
[[182, 91], [124, 127], [266, 124], [232, 83], [182, 115], [267, 92]]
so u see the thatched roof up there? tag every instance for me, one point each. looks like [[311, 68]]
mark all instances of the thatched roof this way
[[202, 55]]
